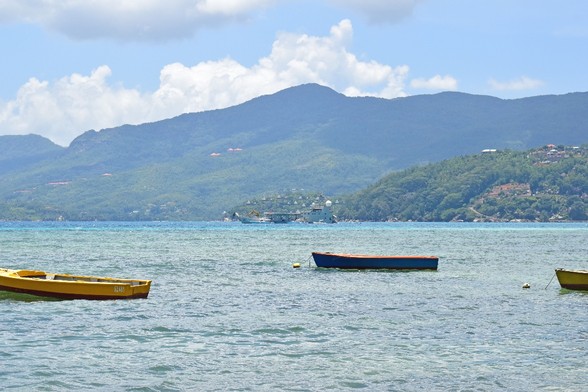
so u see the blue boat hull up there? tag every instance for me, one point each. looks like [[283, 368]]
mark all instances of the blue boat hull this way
[[348, 261]]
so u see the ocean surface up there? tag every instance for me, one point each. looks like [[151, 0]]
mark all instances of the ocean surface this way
[[228, 312]]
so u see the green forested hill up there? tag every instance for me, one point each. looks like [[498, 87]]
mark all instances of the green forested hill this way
[[309, 137], [546, 184], [18, 153]]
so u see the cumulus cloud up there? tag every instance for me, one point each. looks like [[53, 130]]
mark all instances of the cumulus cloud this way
[[294, 59], [379, 11], [71, 105], [522, 83], [437, 82], [62, 109], [146, 20]]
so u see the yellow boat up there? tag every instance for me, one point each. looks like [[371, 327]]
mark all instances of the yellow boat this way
[[572, 279], [71, 286]]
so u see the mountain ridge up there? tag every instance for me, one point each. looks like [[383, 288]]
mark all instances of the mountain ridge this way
[[306, 137]]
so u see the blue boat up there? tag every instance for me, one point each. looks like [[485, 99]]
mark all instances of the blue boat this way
[[351, 261]]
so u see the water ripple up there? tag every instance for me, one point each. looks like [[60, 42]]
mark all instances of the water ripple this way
[[228, 312]]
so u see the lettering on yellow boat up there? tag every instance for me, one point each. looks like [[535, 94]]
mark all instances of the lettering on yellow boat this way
[[119, 289]]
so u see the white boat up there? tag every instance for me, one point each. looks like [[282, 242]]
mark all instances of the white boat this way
[[252, 218], [255, 220], [320, 214]]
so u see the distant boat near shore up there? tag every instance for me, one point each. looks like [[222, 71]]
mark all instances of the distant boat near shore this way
[[317, 214], [253, 217], [320, 214]]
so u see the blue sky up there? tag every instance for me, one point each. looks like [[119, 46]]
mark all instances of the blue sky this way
[[71, 66]]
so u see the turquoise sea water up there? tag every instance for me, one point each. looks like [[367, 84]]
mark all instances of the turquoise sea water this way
[[228, 312]]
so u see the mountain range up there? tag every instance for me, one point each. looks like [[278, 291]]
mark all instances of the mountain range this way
[[308, 137]]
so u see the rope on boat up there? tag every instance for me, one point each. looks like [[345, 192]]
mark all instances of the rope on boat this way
[[549, 282]]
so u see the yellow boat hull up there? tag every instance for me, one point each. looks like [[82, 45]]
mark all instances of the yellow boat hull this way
[[72, 286], [572, 279]]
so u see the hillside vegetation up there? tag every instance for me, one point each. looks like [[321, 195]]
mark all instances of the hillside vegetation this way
[[195, 166], [546, 184]]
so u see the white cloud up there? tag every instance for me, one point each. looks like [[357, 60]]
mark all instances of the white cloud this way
[[61, 110], [522, 83], [162, 20], [295, 59], [145, 20], [437, 82], [381, 11]]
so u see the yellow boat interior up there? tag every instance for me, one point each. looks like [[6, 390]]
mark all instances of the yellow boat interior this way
[[34, 274]]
